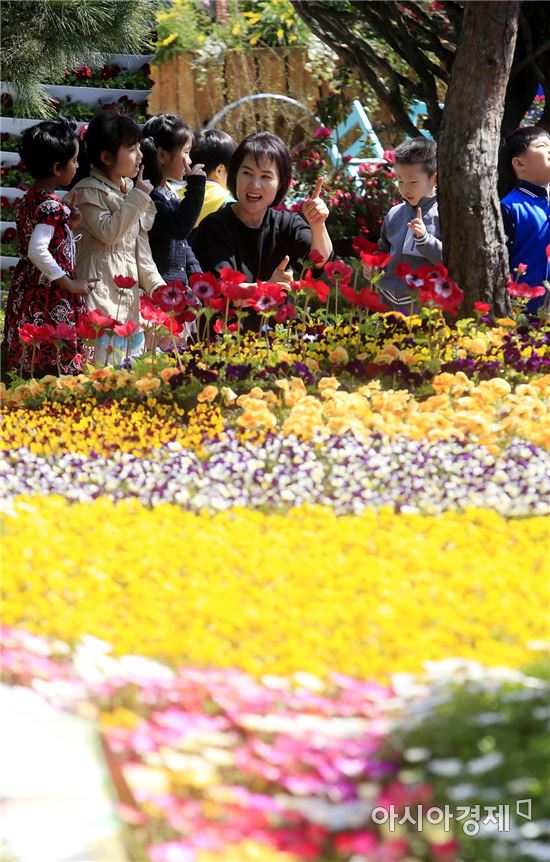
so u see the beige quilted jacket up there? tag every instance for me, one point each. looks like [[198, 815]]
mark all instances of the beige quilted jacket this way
[[114, 241]]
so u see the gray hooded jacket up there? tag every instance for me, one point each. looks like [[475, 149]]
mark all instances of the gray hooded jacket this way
[[399, 241]]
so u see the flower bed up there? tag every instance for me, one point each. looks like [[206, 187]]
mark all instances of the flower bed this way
[[297, 521], [263, 592], [214, 765]]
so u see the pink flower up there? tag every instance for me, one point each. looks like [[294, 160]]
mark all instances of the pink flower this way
[[124, 282], [125, 330], [338, 271], [204, 285], [171, 296], [171, 851], [151, 312], [64, 332], [548, 252], [323, 132], [389, 156], [348, 843], [521, 268], [524, 291]]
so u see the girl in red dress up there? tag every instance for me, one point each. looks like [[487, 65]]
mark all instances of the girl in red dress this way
[[44, 288]]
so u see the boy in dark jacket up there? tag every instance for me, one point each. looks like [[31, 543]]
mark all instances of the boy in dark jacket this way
[[410, 232]]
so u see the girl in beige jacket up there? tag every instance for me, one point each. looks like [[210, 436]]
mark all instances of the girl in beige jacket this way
[[116, 217]]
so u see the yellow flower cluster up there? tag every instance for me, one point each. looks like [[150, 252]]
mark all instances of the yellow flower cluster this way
[[367, 595], [104, 429], [490, 412]]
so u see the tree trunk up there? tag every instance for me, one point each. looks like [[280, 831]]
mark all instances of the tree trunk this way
[[471, 224]]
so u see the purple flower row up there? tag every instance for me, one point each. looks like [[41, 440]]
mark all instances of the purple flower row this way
[[342, 472]]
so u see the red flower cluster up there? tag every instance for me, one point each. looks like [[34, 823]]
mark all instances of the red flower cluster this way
[[364, 298], [83, 72], [433, 284], [525, 291], [30, 333]]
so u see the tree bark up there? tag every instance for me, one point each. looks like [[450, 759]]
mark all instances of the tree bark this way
[[471, 224]]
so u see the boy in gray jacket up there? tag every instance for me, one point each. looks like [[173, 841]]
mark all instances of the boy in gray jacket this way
[[410, 232]]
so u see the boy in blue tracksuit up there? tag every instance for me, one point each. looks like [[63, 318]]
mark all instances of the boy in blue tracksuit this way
[[525, 157]]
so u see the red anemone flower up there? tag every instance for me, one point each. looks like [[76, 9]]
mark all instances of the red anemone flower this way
[[268, 296], [204, 285], [525, 291], [315, 256], [171, 296], [378, 259], [29, 333], [230, 276], [124, 282], [125, 330], [338, 271]]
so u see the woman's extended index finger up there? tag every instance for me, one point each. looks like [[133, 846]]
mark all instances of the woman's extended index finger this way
[[318, 187]]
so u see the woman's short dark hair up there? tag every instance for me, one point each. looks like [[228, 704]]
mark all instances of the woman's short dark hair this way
[[47, 144], [262, 145], [514, 145], [211, 148], [418, 151], [167, 131], [109, 131]]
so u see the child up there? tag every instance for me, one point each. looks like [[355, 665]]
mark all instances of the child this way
[[44, 288], [116, 215], [213, 149], [166, 146], [410, 231], [525, 164]]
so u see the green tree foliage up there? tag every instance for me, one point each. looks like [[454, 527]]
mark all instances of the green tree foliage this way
[[405, 50], [42, 38]]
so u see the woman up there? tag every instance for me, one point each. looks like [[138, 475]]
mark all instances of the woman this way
[[250, 235]]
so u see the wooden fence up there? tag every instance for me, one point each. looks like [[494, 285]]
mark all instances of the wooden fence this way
[[197, 94]]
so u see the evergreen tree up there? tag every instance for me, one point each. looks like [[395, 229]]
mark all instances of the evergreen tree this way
[[42, 38]]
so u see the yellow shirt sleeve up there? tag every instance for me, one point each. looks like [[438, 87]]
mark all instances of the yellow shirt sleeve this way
[[214, 197]]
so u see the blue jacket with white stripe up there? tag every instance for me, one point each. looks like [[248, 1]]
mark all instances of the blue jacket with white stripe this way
[[526, 217]]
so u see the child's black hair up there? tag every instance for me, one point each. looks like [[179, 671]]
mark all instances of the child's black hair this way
[[418, 151], [262, 145], [514, 145], [108, 131], [49, 143], [211, 148], [167, 131]]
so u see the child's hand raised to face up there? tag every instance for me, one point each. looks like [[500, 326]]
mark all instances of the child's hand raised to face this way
[[417, 225], [195, 171], [76, 216], [143, 185]]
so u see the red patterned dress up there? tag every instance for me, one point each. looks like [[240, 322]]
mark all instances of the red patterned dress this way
[[33, 298]]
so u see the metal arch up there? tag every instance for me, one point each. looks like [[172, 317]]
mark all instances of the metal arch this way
[[217, 117]]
